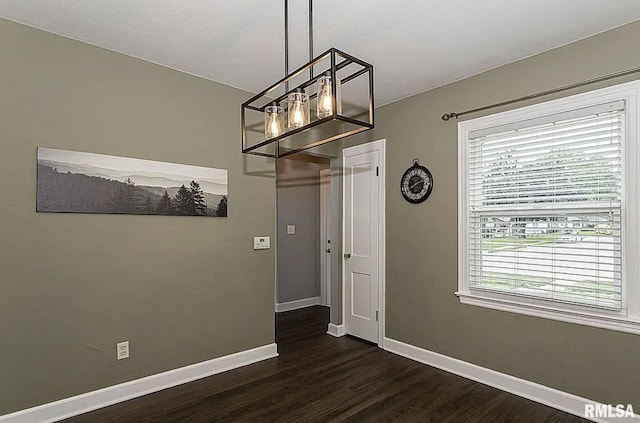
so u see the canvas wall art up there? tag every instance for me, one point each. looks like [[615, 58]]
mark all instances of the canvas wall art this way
[[76, 182]]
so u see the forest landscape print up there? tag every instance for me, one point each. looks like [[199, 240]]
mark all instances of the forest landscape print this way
[[76, 182]]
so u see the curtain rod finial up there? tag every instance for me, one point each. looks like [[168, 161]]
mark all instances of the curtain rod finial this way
[[448, 116]]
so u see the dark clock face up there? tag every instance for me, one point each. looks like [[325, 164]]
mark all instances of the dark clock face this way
[[416, 184]]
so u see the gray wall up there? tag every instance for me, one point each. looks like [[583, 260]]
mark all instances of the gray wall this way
[[298, 190], [421, 249], [182, 290]]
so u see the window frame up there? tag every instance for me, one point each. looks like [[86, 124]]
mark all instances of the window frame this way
[[625, 320]]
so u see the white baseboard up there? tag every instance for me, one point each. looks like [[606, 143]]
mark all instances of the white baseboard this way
[[560, 400], [336, 330], [73, 406], [295, 305]]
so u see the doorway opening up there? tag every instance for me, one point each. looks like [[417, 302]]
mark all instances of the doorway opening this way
[[303, 206]]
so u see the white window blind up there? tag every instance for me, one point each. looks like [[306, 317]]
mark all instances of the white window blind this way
[[544, 208]]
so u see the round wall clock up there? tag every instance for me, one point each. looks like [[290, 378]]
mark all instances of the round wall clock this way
[[416, 183]]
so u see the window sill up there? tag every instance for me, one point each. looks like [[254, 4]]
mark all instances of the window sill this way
[[611, 322]]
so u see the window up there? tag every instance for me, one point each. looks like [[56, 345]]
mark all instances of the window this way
[[548, 222]]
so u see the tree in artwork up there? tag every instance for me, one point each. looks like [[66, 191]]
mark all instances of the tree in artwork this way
[[197, 197], [183, 202], [165, 206], [222, 207], [127, 198]]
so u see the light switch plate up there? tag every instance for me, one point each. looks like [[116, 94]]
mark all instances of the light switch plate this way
[[291, 229], [261, 242]]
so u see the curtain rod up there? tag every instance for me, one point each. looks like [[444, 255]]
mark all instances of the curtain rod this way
[[455, 115]]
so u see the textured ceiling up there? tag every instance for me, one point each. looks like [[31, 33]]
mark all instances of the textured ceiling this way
[[414, 45]]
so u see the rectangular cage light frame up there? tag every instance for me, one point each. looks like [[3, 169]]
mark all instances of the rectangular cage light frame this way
[[338, 61]]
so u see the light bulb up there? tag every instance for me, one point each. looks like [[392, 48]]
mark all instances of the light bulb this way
[[324, 100], [274, 129], [298, 102], [297, 114], [273, 120], [325, 96]]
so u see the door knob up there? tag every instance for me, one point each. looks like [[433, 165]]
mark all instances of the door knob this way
[[328, 250], [347, 255]]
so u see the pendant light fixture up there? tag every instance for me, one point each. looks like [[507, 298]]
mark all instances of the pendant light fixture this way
[[329, 98]]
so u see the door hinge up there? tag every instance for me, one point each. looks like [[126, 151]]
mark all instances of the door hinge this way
[[376, 315], [377, 171]]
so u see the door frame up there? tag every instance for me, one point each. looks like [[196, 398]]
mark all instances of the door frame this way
[[325, 226], [379, 146]]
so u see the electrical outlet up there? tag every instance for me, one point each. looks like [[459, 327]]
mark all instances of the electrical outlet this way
[[122, 350]]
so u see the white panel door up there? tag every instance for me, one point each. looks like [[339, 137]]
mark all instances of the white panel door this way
[[361, 252]]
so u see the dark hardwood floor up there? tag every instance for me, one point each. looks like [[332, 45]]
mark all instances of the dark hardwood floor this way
[[319, 378]]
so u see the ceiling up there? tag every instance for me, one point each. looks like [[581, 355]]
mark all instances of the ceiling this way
[[414, 45]]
